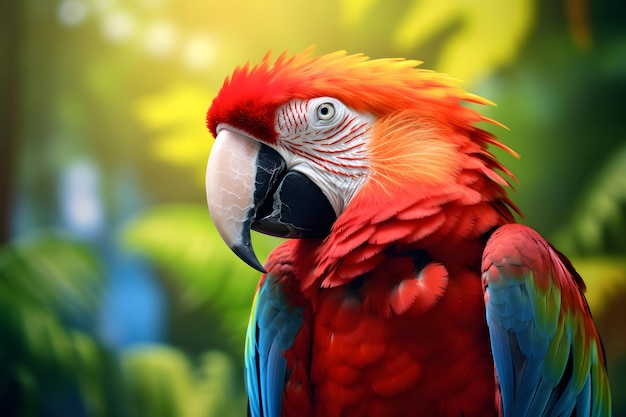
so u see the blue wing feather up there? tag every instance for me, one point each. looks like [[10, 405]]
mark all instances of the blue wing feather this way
[[583, 401], [272, 328], [545, 347], [502, 358]]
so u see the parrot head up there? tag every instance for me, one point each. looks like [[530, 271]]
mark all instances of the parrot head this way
[[298, 138]]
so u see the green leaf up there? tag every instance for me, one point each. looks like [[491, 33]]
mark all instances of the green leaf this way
[[353, 11], [174, 119], [604, 276], [598, 224], [480, 35], [217, 388], [158, 381], [163, 383], [47, 280], [53, 271]]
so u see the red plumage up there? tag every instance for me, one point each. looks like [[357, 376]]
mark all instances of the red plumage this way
[[391, 302]]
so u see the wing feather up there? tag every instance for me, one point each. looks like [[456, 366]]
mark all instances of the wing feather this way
[[546, 350], [274, 323]]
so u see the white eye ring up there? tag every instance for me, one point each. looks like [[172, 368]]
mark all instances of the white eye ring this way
[[325, 111]]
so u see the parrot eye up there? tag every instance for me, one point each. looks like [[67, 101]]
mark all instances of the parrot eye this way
[[325, 111]]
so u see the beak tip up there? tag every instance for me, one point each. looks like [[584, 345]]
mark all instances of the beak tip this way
[[246, 253]]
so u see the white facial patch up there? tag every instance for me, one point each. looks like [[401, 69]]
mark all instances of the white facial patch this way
[[327, 141]]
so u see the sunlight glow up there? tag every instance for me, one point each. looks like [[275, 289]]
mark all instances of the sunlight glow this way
[[103, 4], [72, 12], [152, 4], [118, 26], [160, 38], [81, 206], [198, 51]]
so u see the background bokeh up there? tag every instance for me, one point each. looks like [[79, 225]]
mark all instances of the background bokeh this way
[[117, 297]]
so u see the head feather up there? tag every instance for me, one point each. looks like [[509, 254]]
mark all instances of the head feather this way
[[251, 95], [430, 163]]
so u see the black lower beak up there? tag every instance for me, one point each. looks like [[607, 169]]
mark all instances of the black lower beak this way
[[250, 187], [299, 209]]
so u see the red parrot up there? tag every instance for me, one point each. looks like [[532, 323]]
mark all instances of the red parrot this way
[[405, 287]]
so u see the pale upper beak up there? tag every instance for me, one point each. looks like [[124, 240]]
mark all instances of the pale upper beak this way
[[249, 186]]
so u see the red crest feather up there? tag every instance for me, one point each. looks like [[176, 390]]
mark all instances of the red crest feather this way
[[251, 95], [425, 152]]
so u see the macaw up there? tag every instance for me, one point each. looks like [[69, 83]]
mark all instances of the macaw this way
[[405, 286]]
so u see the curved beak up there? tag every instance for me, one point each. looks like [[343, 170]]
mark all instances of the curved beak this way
[[235, 188], [248, 186]]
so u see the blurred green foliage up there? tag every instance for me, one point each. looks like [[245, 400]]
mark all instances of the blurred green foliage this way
[[182, 240], [162, 383], [52, 363], [598, 221], [49, 289], [127, 85]]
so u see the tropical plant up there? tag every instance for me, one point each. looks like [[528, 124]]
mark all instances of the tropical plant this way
[[53, 364], [49, 358]]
